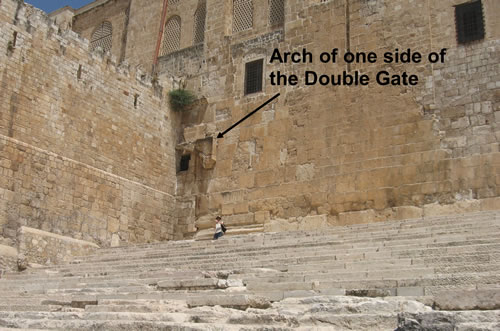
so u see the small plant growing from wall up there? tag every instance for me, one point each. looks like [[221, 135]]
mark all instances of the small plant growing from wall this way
[[11, 45], [10, 48], [181, 98]]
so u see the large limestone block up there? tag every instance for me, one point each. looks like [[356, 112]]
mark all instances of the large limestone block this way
[[199, 283], [233, 301], [315, 222], [278, 225], [308, 223], [486, 299], [357, 217], [459, 207], [305, 172], [490, 204], [193, 133]]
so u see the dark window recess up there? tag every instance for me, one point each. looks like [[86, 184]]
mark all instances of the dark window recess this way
[[184, 166], [469, 22], [253, 76]]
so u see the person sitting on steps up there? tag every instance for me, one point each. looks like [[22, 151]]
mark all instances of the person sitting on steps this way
[[219, 228]]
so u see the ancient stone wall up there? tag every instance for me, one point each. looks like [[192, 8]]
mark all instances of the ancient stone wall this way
[[337, 150], [86, 148], [324, 155]]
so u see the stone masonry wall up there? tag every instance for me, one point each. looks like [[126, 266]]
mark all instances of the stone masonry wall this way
[[320, 154], [144, 24], [86, 149], [345, 151], [46, 191]]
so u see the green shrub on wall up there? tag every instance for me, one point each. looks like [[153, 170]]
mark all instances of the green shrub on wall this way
[[180, 99]]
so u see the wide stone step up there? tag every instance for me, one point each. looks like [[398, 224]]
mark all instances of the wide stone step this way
[[446, 264], [482, 262], [156, 325], [351, 312], [372, 230], [293, 251], [285, 283], [434, 249], [29, 307], [292, 275], [328, 240]]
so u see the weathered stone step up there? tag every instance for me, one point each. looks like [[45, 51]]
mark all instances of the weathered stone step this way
[[436, 263], [153, 253], [346, 321], [120, 325], [129, 320], [442, 239], [29, 307], [283, 284], [256, 281], [474, 222], [313, 264], [445, 320], [308, 274], [317, 264], [146, 325], [294, 250], [454, 247]]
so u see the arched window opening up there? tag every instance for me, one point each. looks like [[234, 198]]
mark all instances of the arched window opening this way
[[171, 36], [199, 23], [242, 15], [102, 37]]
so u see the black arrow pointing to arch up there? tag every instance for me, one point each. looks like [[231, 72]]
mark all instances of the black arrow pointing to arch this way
[[221, 134]]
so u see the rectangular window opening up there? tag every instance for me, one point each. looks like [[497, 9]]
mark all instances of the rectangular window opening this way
[[184, 165], [469, 22], [253, 76]]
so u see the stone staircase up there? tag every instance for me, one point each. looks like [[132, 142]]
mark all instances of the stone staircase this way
[[423, 274]]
